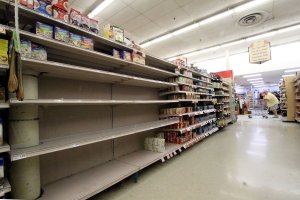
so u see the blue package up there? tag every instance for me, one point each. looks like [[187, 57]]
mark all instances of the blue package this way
[[43, 6]]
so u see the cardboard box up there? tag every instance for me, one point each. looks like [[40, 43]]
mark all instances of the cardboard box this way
[[75, 40], [61, 34], [3, 52], [25, 48], [94, 26], [62, 4], [85, 22], [87, 43], [43, 6], [75, 17], [113, 33], [44, 30], [60, 14], [38, 52]]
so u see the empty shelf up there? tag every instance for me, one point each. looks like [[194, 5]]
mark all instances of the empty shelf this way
[[73, 141], [4, 105], [4, 148], [70, 102], [89, 182], [55, 69]]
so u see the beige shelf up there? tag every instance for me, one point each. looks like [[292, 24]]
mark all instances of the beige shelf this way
[[4, 105], [60, 70], [4, 148], [190, 113], [71, 102], [195, 72], [73, 141], [183, 92]]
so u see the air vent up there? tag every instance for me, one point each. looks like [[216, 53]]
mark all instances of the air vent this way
[[252, 19]]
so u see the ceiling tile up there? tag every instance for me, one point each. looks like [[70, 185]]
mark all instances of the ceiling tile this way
[[135, 23], [147, 31], [144, 5], [128, 2], [114, 8], [183, 2], [161, 9], [124, 16]]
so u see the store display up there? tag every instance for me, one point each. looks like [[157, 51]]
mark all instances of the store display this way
[[61, 34], [125, 55], [154, 144], [43, 6], [113, 33], [116, 54], [62, 4], [60, 14], [138, 58], [3, 51], [44, 30], [94, 26], [85, 22], [25, 48], [38, 52], [75, 40], [87, 43], [75, 17]]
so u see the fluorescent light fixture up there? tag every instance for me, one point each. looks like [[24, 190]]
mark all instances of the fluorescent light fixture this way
[[252, 75], [287, 75], [146, 44], [254, 79], [100, 7], [269, 34], [232, 43], [288, 29], [249, 5], [185, 29], [216, 17], [210, 49], [292, 70], [164, 37], [191, 54], [172, 59]]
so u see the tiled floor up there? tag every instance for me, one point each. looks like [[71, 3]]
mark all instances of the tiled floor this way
[[254, 159]]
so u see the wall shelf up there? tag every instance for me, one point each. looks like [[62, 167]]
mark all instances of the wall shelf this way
[[6, 188], [73, 141], [190, 114], [4, 105], [60, 70], [183, 92], [4, 148], [70, 102]]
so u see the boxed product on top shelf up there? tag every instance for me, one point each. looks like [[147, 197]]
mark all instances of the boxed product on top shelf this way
[[184, 96], [181, 80], [180, 62]]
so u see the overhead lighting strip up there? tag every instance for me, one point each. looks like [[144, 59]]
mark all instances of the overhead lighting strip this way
[[99, 8], [203, 22], [240, 41]]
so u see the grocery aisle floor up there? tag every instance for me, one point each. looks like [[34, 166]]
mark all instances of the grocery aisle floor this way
[[252, 159]]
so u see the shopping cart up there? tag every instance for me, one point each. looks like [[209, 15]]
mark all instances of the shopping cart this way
[[258, 108]]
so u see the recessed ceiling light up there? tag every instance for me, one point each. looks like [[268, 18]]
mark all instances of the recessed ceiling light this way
[[252, 75], [254, 79], [100, 7], [292, 70]]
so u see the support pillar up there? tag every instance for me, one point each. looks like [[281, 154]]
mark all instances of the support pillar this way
[[24, 132]]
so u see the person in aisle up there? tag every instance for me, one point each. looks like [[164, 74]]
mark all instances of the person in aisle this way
[[272, 102]]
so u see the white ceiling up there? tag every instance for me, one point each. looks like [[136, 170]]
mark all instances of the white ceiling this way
[[146, 19]]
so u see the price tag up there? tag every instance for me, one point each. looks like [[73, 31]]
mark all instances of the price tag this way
[[21, 156], [162, 160], [168, 156], [171, 155], [2, 29], [174, 153]]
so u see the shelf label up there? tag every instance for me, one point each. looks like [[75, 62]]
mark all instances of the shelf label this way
[[168, 156], [174, 153], [21, 156], [162, 160], [179, 150]]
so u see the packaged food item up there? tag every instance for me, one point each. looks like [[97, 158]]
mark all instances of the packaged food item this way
[[62, 4], [61, 34], [38, 52], [125, 55], [60, 14], [25, 48], [85, 22], [75, 40], [87, 43], [118, 34], [43, 6], [116, 53], [30, 4], [3, 51], [107, 31], [22, 2], [154, 144], [75, 17], [44, 30], [94, 26], [138, 58]]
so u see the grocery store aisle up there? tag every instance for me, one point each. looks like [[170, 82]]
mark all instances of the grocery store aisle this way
[[252, 159]]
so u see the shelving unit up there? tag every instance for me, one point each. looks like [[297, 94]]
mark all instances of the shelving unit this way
[[297, 96], [287, 99]]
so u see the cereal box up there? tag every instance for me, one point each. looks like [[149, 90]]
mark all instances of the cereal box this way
[[85, 22], [44, 30], [87, 43], [60, 14], [61, 34], [25, 48], [62, 4], [75, 17], [43, 6], [38, 52], [94, 26], [75, 40]]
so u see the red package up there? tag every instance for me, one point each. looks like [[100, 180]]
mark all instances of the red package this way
[[62, 4], [60, 14], [23, 2], [75, 17]]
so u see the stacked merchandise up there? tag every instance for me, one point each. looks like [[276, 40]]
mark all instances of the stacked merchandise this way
[[220, 101], [287, 99], [195, 110], [297, 97], [155, 144], [227, 107]]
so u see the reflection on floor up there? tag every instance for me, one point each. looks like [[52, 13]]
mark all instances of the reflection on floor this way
[[254, 159]]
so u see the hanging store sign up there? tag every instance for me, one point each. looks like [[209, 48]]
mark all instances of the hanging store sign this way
[[259, 52]]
